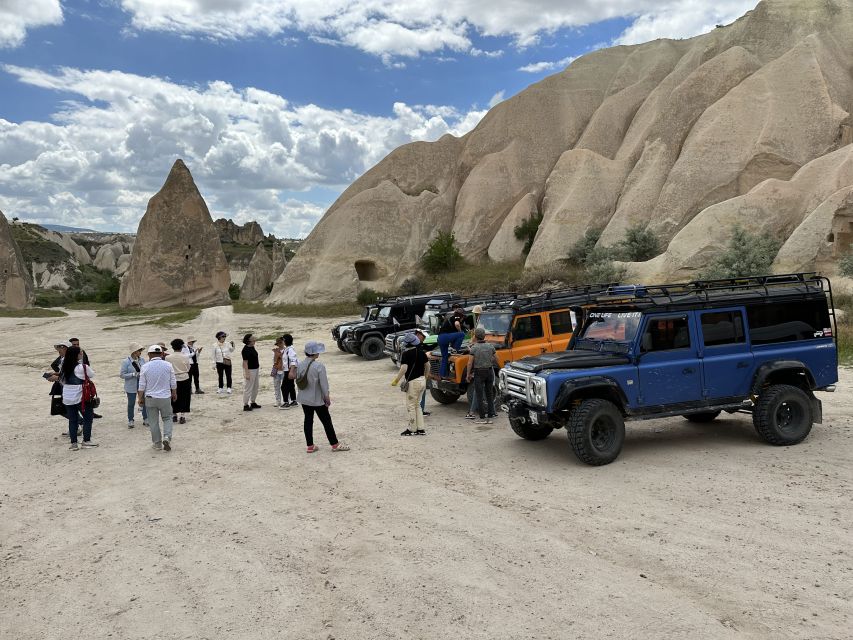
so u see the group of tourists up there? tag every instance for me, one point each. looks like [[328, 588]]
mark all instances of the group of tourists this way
[[160, 383]]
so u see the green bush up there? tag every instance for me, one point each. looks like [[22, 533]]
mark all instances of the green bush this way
[[526, 231], [411, 287], [747, 254], [368, 296], [234, 291], [845, 265], [584, 248], [639, 244], [604, 271], [442, 254]]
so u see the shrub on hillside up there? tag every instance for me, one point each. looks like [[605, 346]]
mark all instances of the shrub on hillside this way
[[747, 254], [526, 231], [604, 271], [584, 248], [845, 265], [442, 254], [234, 291], [368, 296], [639, 244], [411, 287]]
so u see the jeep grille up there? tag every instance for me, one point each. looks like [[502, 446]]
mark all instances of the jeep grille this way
[[517, 384], [389, 342]]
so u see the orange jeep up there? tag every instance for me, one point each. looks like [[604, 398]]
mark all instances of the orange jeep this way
[[524, 326]]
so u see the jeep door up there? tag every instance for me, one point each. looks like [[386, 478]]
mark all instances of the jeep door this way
[[727, 362], [528, 336], [668, 369], [560, 328]]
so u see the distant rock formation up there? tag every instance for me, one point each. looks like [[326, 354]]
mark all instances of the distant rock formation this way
[[177, 258], [109, 256], [259, 275], [678, 136], [279, 259], [66, 242], [229, 231], [16, 289]]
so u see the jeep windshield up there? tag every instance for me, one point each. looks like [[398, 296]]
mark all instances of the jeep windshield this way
[[496, 323], [608, 330], [384, 312], [429, 320]]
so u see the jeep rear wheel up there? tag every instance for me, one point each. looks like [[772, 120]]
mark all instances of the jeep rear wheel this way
[[705, 416], [523, 428], [782, 416], [372, 348], [444, 397], [596, 431]]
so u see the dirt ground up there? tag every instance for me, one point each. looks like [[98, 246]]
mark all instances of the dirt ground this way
[[694, 532]]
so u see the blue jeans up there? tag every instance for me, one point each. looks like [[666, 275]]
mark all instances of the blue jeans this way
[[445, 341], [131, 407], [74, 421]]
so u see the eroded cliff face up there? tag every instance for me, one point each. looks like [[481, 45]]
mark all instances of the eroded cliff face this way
[[16, 288], [177, 258], [685, 137]]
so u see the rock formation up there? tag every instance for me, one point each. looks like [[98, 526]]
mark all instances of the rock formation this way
[[661, 134], [16, 289], [177, 258], [249, 233], [259, 275]]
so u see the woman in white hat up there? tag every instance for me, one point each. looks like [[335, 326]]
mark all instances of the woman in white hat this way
[[313, 395], [130, 368]]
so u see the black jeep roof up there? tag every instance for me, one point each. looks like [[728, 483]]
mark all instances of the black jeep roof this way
[[579, 295]]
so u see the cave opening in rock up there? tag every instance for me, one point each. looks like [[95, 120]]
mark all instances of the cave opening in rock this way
[[366, 270]]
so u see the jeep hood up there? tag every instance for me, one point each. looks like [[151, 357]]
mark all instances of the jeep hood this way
[[570, 360]]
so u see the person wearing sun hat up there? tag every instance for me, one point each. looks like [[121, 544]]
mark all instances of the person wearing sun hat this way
[[157, 390], [314, 397], [131, 366]]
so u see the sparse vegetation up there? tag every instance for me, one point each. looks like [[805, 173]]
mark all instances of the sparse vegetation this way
[[442, 254], [332, 310], [844, 305], [87, 284], [639, 245], [747, 254], [604, 271], [475, 278], [526, 231], [33, 312], [234, 291], [584, 249], [368, 296], [411, 287]]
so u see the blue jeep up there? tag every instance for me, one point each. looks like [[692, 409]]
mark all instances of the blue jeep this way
[[761, 345]]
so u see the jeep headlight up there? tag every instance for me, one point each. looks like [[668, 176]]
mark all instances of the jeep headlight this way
[[502, 382], [538, 391]]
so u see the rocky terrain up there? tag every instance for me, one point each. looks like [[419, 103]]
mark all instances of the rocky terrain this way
[[748, 124]]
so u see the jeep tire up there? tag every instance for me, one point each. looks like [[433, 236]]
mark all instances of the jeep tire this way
[[373, 348], [704, 416], [524, 429], [443, 397], [596, 431], [782, 415]]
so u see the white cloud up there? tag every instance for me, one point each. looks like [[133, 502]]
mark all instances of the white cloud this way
[[414, 27], [497, 98], [17, 16], [539, 67], [250, 151]]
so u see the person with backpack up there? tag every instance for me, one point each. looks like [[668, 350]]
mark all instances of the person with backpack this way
[[74, 375], [412, 364], [313, 395]]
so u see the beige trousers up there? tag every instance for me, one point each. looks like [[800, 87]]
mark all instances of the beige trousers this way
[[413, 403], [250, 388]]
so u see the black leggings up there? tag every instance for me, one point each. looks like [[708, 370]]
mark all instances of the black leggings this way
[[323, 413], [223, 368], [288, 389], [194, 375]]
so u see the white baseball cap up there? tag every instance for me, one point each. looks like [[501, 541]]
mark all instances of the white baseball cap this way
[[155, 348]]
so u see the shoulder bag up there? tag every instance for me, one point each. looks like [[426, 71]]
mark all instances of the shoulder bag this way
[[90, 393], [302, 381]]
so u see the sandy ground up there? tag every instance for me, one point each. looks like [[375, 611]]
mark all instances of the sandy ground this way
[[694, 532]]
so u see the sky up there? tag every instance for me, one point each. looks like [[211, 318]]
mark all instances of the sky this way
[[276, 106]]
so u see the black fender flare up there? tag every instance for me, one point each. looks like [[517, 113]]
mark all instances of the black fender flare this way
[[570, 387], [769, 368]]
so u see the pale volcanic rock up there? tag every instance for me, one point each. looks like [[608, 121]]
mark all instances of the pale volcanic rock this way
[[505, 246], [279, 260], [258, 275], [16, 289], [250, 233], [177, 258]]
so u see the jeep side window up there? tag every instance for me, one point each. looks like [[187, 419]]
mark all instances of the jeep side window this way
[[788, 321], [663, 334], [561, 322], [722, 327], [527, 327]]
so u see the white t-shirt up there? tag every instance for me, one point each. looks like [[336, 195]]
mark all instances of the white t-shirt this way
[[73, 393]]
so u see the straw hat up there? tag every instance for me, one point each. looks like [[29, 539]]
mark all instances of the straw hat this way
[[135, 346]]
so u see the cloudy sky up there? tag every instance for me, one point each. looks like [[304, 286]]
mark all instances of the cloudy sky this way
[[275, 105]]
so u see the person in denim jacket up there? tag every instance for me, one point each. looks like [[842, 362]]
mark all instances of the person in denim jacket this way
[[130, 368]]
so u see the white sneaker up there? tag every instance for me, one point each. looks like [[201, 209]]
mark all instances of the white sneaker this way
[[220, 390], [157, 445], [130, 424], [89, 443], [228, 391]]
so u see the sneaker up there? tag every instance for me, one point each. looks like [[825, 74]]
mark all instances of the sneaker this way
[[426, 413], [167, 445], [182, 420], [284, 405], [420, 432], [174, 418], [470, 416], [220, 390], [294, 403], [228, 391], [340, 447], [130, 424], [74, 446], [199, 392], [312, 449], [480, 421], [489, 421], [247, 407], [407, 432], [157, 446], [96, 415], [255, 405], [89, 443]]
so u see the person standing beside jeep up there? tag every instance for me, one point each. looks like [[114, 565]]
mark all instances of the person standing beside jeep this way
[[451, 334], [481, 370], [251, 371], [412, 364]]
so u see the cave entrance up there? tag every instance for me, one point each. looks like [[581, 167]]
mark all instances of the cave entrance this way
[[366, 270]]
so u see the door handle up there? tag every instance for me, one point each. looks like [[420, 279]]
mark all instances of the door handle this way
[[688, 370], [742, 365], [542, 350]]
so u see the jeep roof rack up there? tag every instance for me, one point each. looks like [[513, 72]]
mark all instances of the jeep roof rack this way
[[421, 297], [550, 299], [477, 298]]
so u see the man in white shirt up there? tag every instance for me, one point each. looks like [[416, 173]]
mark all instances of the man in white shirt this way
[[157, 389]]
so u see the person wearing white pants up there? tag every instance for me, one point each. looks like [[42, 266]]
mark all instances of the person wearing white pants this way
[[251, 369], [412, 364]]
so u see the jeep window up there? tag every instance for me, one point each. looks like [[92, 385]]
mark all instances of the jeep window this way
[[788, 321], [665, 334], [616, 326], [722, 327], [374, 313], [427, 319], [384, 312], [561, 322], [527, 328], [496, 324]]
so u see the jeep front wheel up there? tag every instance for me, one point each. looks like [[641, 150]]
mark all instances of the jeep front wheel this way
[[782, 416], [596, 431], [444, 397], [704, 416], [372, 348], [524, 429]]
